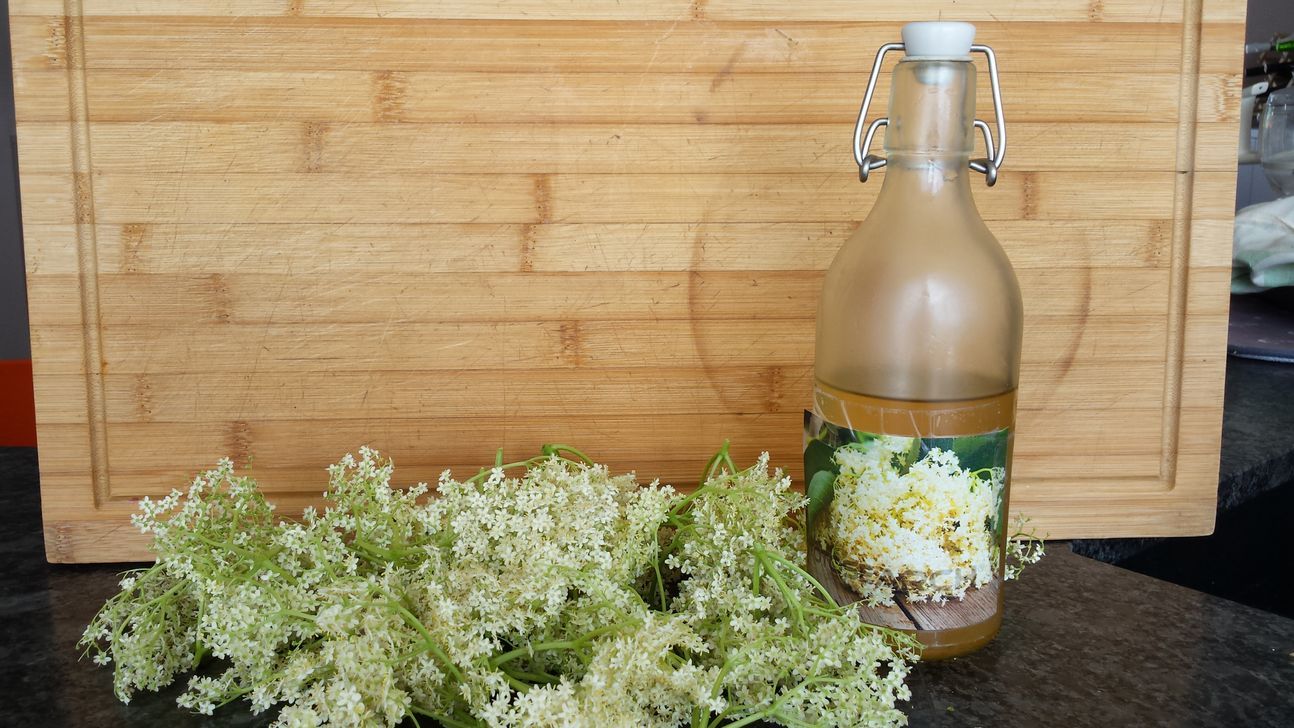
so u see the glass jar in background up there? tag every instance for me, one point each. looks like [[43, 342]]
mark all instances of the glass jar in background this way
[[1276, 141]]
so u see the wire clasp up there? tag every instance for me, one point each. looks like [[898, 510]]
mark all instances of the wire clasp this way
[[987, 165]]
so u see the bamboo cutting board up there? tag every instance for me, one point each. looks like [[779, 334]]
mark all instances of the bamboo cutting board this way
[[285, 229]]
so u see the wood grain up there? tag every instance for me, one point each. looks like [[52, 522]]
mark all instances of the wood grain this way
[[661, 388], [540, 198], [972, 10], [211, 347], [630, 148], [288, 42], [151, 457], [284, 229], [255, 298], [344, 97], [977, 606], [329, 249]]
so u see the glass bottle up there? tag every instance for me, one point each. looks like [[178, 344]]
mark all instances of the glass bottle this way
[[908, 446]]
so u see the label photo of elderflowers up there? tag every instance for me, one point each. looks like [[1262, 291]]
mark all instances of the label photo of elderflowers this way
[[911, 528]]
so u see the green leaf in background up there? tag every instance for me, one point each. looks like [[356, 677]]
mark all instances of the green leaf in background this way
[[974, 452], [819, 457], [903, 461], [821, 489], [820, 470]]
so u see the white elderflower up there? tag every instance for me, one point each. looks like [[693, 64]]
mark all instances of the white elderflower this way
[[926, 532], [786, 652], [563, 596]]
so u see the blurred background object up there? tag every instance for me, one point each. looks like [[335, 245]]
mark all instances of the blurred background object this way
[[17, 415], [1262, 321], [1269, 67]]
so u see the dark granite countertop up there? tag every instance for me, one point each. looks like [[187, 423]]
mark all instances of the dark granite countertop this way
[[1257, 430], [1084, 644]]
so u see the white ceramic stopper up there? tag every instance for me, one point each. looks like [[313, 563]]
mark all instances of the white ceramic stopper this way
[[938, 40]]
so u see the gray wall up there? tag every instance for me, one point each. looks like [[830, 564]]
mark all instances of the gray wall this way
[[1267, 18], [13, 292]]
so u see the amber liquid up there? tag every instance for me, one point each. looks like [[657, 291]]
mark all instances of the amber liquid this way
[[916, 418]]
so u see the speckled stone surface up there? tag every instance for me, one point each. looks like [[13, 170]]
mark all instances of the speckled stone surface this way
[[1084, 644], [1257, 430]]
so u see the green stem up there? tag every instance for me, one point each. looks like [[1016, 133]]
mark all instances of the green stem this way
[[774, 710], [558, 449], [574, 644], [257, 560], [133, 615], [231, 697], [813, 582], [432, 645], [681, 507], [718, 681], [517, 684], [792, 602], [485, 472], [199, 649], [790, 721], [718, 719], [660, 583], [298, 615], [391, 555], [545, 452], [443, 719], [532, 677], [752, 718], [720, 457]]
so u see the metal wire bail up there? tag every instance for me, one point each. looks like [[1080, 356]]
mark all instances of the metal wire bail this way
[[988, 165]]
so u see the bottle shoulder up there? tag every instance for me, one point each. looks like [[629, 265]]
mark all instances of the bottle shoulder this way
[[920, 319], [903, 256]]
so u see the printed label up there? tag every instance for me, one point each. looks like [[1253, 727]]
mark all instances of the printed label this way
[[910, 524]]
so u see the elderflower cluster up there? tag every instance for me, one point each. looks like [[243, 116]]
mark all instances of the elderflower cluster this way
[[927, 530], [784, 650], [562, 596]]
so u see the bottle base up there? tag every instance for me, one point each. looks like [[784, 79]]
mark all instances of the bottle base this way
[[945, 644]]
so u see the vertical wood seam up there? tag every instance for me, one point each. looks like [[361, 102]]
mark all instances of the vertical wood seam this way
[[1180, 247], [87, 253]]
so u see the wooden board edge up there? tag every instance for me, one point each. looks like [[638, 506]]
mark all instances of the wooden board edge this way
[[1144, 517], [70, 85], [100, 542], [1192, 360]]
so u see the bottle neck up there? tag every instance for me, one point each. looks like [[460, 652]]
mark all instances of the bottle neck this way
[[929, 140], [914, 177]]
